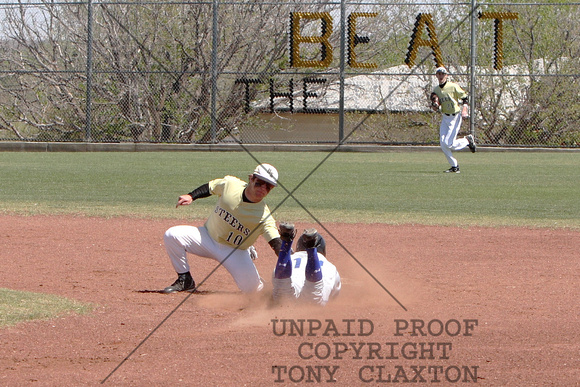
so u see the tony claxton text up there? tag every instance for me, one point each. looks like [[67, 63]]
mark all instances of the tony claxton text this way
[[422, 355]]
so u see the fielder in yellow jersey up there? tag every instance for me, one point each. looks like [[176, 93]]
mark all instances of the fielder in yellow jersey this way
[[238, 219], [448, 95], [234, 222]]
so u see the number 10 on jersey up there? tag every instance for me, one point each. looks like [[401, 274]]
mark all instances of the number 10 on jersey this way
[[236, 240]]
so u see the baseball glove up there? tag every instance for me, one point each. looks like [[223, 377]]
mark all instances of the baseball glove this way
[[434, 101]]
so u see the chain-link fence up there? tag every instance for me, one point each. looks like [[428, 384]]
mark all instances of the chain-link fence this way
[[286, 71]]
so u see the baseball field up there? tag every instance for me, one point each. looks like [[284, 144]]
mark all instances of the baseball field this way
[[447, 278]]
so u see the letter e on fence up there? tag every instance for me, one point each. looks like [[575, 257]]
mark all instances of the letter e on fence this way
[[354, 39]]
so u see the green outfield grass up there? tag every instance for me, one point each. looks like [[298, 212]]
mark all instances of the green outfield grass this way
[[16, 306], [531, 189]]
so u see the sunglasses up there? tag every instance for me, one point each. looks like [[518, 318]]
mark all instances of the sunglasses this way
[[259, 182]]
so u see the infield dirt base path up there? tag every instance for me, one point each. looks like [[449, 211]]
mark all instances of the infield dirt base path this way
[[521, 285]]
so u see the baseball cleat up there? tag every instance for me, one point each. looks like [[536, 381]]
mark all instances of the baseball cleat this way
[[472, 144], [287, 231], [309, 237], [453, 170], [183, 283]]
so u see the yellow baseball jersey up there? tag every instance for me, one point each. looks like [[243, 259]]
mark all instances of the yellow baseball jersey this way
[[233, 220], [449, 97]]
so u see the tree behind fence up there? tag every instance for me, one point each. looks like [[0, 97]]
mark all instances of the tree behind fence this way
[[294, 72]]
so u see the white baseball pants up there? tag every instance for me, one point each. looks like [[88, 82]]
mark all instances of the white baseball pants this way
[[448, 131], [180, 240]]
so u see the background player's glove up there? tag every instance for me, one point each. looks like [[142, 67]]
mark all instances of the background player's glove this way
[[434, 101], [253, 252]]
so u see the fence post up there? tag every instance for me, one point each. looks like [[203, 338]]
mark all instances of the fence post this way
[[473, 54], [341, 71], [89, 72], [214, 71]]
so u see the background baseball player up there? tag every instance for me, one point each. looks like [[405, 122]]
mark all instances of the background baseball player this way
[[305, 274], [240, 216], [446, 97]]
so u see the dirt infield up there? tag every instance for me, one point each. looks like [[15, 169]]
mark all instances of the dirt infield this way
[[495, 306]]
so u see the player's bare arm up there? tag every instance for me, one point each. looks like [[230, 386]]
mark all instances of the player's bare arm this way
[[464, 109]]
